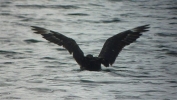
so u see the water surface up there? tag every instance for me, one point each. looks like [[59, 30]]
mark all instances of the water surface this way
[[32, 68]]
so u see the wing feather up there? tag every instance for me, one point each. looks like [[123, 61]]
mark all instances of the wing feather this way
[[61, 40], [116, 43]]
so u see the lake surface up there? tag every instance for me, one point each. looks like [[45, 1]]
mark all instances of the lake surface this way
[[31, 68]]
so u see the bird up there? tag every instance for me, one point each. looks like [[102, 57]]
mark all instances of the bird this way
[[109, 52]]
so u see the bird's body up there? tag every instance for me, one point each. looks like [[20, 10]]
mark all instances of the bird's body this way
[[108, 54], [91, 63]]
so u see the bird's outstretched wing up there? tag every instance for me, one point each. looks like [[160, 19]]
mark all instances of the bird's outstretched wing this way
[[61, 40], [116, 43]]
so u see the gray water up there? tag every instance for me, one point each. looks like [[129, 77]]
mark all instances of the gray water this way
[[31, 68]]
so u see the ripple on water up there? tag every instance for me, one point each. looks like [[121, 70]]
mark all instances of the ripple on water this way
[[78, 14], [8, 63], [11, 54], [114, 20], [34, 81], [48, 6], [31, 41], [12, 98], [2, 84], [108, 21], [45, 90], [172, 53], [5, 14], [8, 52], [166, 34], [48, 58]]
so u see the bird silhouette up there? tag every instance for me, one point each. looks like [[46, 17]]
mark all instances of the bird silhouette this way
[[111, 48]]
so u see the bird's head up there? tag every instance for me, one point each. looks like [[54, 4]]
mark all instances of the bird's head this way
[[89, 56]]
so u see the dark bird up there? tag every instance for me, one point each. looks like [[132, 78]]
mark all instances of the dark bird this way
[[111, 48]]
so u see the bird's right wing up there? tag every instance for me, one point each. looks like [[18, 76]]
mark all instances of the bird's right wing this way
[[116, 43], [61, 40]]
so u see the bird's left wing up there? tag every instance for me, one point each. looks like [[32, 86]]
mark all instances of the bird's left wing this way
[[116, 43], [61, 40]]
